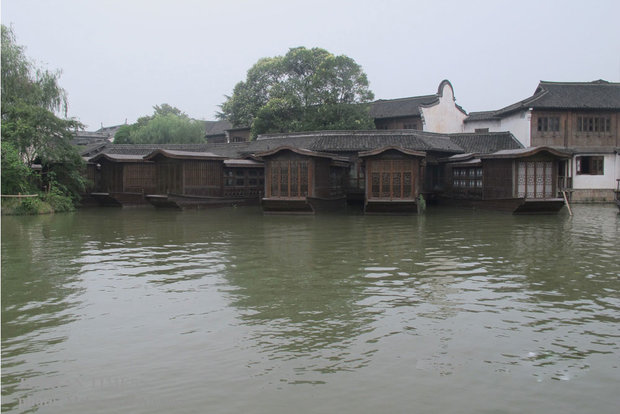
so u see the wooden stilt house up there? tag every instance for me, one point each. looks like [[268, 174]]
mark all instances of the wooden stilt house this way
[[186, 179], [303, 181], [393, 179], [522, 180], [121, 179]]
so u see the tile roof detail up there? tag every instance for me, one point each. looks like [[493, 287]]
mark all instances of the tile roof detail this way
[[393, 108]]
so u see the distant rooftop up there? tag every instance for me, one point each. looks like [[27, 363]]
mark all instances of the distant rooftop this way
[[216, 127]]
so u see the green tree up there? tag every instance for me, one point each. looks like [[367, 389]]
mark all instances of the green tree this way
[[31, 98], [306, 89], [167, 125], [123, 134], [16, 176]]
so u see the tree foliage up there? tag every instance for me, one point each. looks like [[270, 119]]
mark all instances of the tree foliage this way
[[167, 125], [16, 176], [31, 128], [306, 89]]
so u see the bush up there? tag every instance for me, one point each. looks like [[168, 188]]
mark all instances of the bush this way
[[58, 201], [32, 206]]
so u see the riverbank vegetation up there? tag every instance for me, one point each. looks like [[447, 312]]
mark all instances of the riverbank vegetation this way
[[37, 155]]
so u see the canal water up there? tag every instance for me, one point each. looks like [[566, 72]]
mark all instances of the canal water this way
[[231, 311]]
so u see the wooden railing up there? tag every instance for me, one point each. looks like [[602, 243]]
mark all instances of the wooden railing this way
[[19, 195], [565, 183]]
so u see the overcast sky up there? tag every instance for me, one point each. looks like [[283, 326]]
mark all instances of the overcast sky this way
[[119, 58]]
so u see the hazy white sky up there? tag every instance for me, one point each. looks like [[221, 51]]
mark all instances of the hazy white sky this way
[[119, 58]]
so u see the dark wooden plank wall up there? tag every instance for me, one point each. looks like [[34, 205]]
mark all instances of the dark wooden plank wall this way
[[202, 177], [111, 177], [169, 176], [497, 179], [139, 178], [322, 183]]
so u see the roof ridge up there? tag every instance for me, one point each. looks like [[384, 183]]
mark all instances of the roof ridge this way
[[434, 95], [590, 83]]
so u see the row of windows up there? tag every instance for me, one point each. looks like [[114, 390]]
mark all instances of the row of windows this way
[[467, 172], [243, 178], [593, 124], [584, 124], [467, 183], [549, 123], [467, 177]]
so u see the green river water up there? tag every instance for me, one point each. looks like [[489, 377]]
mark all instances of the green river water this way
[[231, 311]]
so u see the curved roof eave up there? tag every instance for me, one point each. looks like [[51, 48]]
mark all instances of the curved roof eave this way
[[381, 150]]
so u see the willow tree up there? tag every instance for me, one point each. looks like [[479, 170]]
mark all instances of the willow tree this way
[[32, 127], [306, 89]]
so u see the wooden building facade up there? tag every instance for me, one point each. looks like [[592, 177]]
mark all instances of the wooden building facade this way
[[188, 173], [582, 118], [393, 179], [522, 181], [121, 179], [384, 171], [303, 181], [200, 179]]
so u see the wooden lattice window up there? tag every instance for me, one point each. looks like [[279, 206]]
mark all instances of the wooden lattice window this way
[[535, 179], [289, 179], [392, 179]]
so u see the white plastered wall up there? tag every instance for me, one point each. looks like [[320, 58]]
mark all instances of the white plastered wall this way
[[596, 188], [517, 123], [445, 116]]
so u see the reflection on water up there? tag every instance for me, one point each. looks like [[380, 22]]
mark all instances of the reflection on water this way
[[153, 311]]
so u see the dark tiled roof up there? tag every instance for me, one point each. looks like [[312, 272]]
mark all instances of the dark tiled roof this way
[[87, 138], [596, 95], [482, 116], [393, 108], [148, 148], [354, 141], [599, 94], [486, 142], [526, 152], [110, 130], [184, 154], [216, 127], [336, 142]]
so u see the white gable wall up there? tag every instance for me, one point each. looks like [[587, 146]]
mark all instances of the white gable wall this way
[[492, 125], [519, 124], [445, 116]]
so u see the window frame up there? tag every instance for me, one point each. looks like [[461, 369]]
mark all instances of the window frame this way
[[590, 165]]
